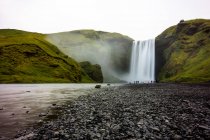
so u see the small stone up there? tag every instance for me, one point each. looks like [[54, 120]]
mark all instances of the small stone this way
[[98, 86], [177, 137], [13, 114], [39, 121], [186, 101], [67, 136], [75, 135], [72, 120], [115, 127], [167, 121], [53, 104], [141, 122], [108, 124], [27, 112], [155, 129], [24, 107], [130, 133], [103, 130], [1, 108], [28, 91], [45, 137], [98, 135], [204, 127], [56, 133], [42, 114]]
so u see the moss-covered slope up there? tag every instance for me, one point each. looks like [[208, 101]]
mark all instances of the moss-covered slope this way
[[28, 58], [110, 50], [93, 71], [183, 52]]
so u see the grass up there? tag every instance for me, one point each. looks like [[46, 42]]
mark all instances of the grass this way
[[28, 58]]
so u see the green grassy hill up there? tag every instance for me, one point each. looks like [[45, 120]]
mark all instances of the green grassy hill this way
[[110, 50], [183, 52], [27, 57]]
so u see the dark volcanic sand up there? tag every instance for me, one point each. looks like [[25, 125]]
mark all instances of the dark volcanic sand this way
[[154, 111]]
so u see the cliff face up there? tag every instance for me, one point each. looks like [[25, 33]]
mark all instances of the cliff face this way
[[183, 52], [110, 50], [28, 58]]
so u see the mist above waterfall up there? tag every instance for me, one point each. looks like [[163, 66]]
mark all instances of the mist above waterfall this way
[[142, 67], [111, 51]]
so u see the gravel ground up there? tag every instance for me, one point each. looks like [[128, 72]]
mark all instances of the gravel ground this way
[[147, 111]]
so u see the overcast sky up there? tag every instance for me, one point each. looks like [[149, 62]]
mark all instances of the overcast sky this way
[[139, 19]]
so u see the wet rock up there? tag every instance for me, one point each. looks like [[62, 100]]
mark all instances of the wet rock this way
[[42, 114], [141, 122], [28, 136], [56, 133], [40, 121], [167, 121], [3, 138], [102, 130], [177, 137], [130, 133], [98, 86], [67, 136], [204, 127], [98, 135], [155, 129], [115, 127]]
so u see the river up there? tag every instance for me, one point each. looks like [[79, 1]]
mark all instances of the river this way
[[21, 104]]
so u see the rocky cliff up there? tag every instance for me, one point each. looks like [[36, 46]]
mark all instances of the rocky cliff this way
[[183, 52]]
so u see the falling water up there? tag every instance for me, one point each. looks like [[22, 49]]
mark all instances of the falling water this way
[[142, 68]]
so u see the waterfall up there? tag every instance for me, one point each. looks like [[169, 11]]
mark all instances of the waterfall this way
[[142, 68]]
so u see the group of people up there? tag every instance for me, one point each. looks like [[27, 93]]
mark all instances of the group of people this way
[[138, 82]]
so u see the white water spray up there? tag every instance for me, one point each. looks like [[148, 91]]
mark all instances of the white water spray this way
[[142, 68]]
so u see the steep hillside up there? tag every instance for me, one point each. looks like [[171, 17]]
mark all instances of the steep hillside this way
[[93, 71], [183, 52], [28, 58], [110, 50]]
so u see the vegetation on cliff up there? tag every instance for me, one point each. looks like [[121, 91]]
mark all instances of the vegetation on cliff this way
[[93, 71], [27, 57], [183, 52]]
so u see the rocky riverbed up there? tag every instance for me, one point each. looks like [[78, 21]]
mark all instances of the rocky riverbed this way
[[21, 105], [146, 111]]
